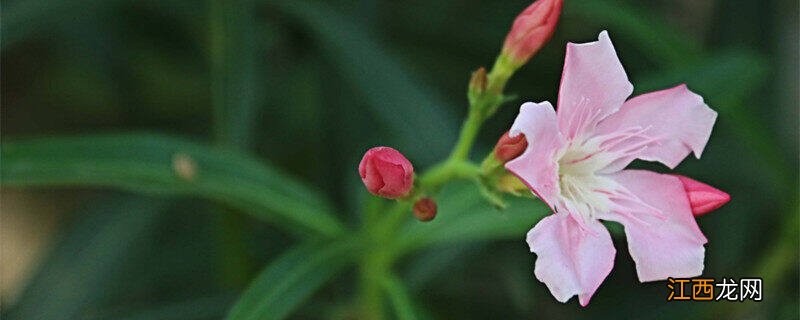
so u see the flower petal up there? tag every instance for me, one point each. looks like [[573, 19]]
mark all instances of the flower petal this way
[[537, 167], [570, 259], [663, 237], [675, 120], [593, 86]]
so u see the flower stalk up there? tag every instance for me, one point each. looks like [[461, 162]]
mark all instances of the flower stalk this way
[[485, 94], [377, 262]]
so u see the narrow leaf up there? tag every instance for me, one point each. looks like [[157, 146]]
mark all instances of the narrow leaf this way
[[165, 165], [290, 279], [233, 70], [402, 302], [410, 110]]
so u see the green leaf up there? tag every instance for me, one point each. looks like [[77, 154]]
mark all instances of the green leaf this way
[[404, 307], [147, 163], [464, 217], [290, 279], [233, 70], [85, 262], [410, 110], [234, 79]]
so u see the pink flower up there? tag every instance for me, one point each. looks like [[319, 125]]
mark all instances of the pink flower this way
[[702, 197], [532, 29], [386, 172], [575, 162]]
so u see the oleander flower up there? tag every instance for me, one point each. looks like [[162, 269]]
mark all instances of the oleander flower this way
[[575, 162]]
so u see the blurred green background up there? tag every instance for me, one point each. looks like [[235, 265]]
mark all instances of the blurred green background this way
[[274, 102]]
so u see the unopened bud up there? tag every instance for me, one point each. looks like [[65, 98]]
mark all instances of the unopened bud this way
[[508, 148], [425, 209], [702, 197], [386, 172], [531, 30], [477, 83]]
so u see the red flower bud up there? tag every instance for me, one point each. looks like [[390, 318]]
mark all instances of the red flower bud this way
[[532, 29], [386, 172], [508, 148], [425, 209], [702, 197]]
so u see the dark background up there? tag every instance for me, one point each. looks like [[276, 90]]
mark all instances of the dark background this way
[[330, 79]]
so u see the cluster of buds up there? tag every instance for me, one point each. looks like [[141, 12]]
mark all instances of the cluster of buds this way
[[388, 174]]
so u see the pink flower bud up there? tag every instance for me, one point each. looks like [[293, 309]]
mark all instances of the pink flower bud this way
[[386, 172], [532, 29], [702, 197], [425, 209], [508, 148]]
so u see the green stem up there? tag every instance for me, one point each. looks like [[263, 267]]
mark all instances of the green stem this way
[[384, 232], [469, 131], [233, 259], [377, 261], [502, 70], [483, 104], [372, 271], [380, 233], [403, 306], [220, 15], [444, 172], [227, 43]]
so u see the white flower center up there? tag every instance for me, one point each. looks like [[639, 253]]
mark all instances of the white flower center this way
[[583, 190], [584, 163]]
